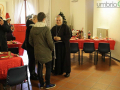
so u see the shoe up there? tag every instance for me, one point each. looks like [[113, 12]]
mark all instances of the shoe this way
[[41, 85], [67, 75], [50, 86], [33, 77]]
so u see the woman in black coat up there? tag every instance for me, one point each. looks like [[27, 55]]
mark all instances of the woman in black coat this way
[[30, 49], [3, 29]]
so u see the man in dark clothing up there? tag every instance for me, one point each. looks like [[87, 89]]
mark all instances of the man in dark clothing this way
[[10, 33], [3, 29], [40, 38], [61, 35], [30, 49]]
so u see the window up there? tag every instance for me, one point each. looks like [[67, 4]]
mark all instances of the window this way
[[27, 9]]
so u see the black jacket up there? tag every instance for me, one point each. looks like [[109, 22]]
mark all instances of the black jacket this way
[[3, 41], [28, 32]]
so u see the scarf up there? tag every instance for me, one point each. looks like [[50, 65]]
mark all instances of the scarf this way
[[39, 24]]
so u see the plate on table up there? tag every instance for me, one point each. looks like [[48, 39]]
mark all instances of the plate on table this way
[[14, 42], [73, 39], [1, 52], [4, 57]]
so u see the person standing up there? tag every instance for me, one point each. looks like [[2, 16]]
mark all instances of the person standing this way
[[61, 35], [40, 38], [9, 34], [30, 49], [3, 29]]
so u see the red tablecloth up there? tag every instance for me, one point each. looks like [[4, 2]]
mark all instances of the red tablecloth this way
[[6, 63], [96, 42], [19, 44]]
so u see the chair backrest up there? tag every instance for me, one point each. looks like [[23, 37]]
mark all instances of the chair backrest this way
[[14, 50], [74, 47], [88, 47], [16, 75], [104, 47]]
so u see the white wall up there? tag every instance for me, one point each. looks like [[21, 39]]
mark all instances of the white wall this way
[[41, 5], [9, 9], [77, 15], [45, 6], [89, 15], [57, 6], [108, 18]]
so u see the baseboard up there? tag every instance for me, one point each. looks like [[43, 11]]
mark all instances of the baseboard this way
[[113, 58]]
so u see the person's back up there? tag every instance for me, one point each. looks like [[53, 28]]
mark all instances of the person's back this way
[[40, 38], [43, 44]]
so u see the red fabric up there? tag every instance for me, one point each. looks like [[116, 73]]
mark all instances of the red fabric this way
[[7, 63], [96, 42], [19, 44], [7, 15], [19, 32]]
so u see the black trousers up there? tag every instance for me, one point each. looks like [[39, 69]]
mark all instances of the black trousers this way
[[47, 75], [31, 63]]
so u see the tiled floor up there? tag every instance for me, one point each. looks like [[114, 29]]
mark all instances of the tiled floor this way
[[84, 77]]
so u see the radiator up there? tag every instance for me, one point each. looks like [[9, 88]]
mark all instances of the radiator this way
[[103, 31]]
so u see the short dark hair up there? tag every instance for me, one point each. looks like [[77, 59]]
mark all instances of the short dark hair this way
[[41, 16], [1, 18]]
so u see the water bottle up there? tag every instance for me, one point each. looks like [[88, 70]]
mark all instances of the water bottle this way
[[89, 34], [85, 36]]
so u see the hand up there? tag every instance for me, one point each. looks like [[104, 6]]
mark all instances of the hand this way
[[12, 28], [1, 22], [57, 38]]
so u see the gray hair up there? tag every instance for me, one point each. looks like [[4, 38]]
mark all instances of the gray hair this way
[[58, 17]]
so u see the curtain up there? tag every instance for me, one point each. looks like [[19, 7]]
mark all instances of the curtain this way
[[32, 7], [47, 11], [17, 6]]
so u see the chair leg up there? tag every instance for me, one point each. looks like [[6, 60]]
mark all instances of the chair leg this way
[[79, 56], [97, 58], [110, 60], [4, 87], [104, 57], [94, 58], [0, 86], [21, 86], [82, 58]]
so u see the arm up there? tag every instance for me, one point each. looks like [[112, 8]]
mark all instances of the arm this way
[[49, 39]]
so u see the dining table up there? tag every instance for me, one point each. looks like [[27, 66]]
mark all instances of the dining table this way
[[7, 62], [95, 41], [12, 44]]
